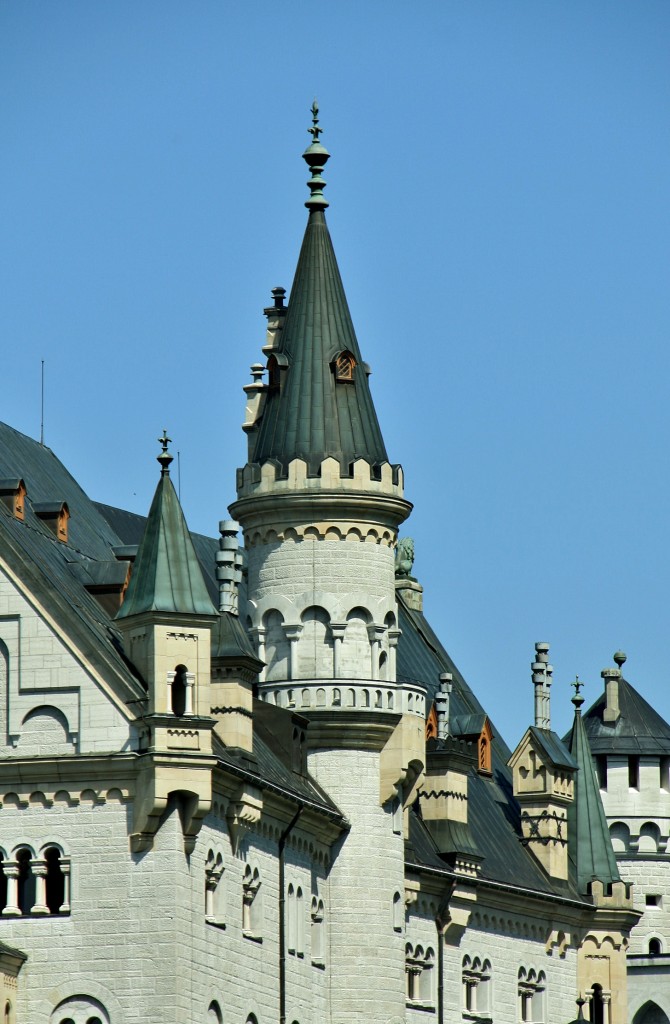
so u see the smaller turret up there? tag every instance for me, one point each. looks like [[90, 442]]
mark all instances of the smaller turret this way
[[166, 622], [543, 777]]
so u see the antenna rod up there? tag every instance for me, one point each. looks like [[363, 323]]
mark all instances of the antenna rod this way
[[179, 475], [42, 412]]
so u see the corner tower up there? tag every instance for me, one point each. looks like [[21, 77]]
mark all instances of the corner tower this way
[[319, 501], [320, 505]]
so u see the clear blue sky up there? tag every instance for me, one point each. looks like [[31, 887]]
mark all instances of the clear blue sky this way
[[500, 212]]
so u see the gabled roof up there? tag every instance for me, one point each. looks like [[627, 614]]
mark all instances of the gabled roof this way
[[166, 576], [494, 817], [310, 415], [553, 748], [638, 730], [53, 572], [589, 845]]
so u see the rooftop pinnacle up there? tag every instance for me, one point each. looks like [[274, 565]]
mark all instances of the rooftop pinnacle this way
[[316, 157]]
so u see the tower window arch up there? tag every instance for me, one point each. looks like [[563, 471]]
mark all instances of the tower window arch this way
[[179, 690], [344, 365], [54, 880]]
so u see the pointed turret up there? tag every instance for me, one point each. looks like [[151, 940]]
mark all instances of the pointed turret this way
[[318, 402], [166, 624], [167, 576], [601, 970], [591, 852]]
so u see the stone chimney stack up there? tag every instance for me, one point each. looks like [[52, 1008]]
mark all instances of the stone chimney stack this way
[[542, 678], [442, 698], [612, 676], [228, 566]]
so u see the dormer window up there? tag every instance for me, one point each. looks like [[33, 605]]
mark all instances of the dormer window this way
[[55, 515], [273, 373], [13, 495], [343, 367]]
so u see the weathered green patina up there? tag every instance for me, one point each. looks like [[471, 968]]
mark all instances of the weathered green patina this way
[[316, 410], [166, 576]]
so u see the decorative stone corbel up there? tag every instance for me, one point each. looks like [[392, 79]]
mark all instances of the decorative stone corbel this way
[[244, 811], [557, 940], [412, 889], [453, 916]]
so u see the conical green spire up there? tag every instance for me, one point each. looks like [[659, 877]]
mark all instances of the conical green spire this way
[[166, 575], [589, 844], [318, 403]]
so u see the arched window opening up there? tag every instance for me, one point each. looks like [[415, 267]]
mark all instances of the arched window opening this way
[[383, 666], [273, 373], [214, 888], [26, 882], [55, 880], [419, 975], [214, 1015], [597, 1006], [93, 1020], [344, 367], [398, 913], [8, 1013], [291, 920], [655, 948], [476, 985], [3, 887], [531, 989], [317, 931], [252, 908], [300, 922], [179, 691]]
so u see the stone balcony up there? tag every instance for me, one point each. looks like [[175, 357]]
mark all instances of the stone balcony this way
[[346, 695]]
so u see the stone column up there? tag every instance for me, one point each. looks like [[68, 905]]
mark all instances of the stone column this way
[[394, 636], [39, 869], [65, 868], [12, 908], [188, 695], [292, 633], [257, 637], [375, 634], [337, 631], [170, 681]]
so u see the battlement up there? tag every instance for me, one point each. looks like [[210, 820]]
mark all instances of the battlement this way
[[357, 478]]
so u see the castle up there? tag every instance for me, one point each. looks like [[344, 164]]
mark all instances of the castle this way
[[245, 783]]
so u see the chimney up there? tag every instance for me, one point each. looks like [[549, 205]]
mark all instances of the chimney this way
[[612, 712], [542, 677], [442, 704], [228, 566]]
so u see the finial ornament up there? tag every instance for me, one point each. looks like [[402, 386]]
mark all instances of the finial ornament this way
[[165, 458], [315, 131], [315, 156], [577, 700], [620, 658]]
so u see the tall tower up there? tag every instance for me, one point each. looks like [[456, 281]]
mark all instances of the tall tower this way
[[320, 505]]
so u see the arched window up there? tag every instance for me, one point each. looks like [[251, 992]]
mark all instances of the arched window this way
[[214, 1015], [214, 888], [476, 985], [55, 880], [26, 882], [7, 1019], [597, 1005], [299, 922], [291, 920], [343, 367], [252, 908], [655, 948], [317, 932], [179, 691], [398, 914]]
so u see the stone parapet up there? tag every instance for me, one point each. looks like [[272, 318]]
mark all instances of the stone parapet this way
[[346, 695]]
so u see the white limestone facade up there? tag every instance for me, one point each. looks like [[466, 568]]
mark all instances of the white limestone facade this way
[[53, 700]]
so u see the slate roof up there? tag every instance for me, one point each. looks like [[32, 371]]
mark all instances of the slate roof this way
[[494, 815], [589, 845], [166, 575], [53, 570], [553, 748], [638, 730], [312, 416]]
